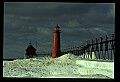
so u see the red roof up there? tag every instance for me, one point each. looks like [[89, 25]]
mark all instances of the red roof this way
[[30, 46]]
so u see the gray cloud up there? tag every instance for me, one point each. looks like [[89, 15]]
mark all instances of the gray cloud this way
[[25, 22]]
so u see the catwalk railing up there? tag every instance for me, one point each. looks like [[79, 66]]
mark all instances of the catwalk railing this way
[[99, 48], [40, 54]]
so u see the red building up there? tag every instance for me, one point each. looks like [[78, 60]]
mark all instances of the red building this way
[[56, 42], [30, 51]]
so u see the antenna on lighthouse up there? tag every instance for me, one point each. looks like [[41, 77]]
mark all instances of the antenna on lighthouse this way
[[36, 46]]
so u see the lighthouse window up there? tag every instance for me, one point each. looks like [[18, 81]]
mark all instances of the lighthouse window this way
[[56, 28]]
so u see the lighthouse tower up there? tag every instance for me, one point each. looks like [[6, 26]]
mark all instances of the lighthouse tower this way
[[56, 42]]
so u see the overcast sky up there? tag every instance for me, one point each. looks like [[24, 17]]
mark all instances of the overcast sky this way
[[30, 21]]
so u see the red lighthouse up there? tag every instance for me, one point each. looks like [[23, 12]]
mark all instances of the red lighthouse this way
[[56, 42]]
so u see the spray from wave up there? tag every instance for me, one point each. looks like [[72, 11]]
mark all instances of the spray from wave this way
[[66, 66]]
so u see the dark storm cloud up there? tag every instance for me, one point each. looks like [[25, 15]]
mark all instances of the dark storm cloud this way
[[71, 15], [52, 11], [24, 22], [45, 9]]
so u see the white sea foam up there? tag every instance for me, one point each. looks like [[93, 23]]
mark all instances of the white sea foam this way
[[66, 66]]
